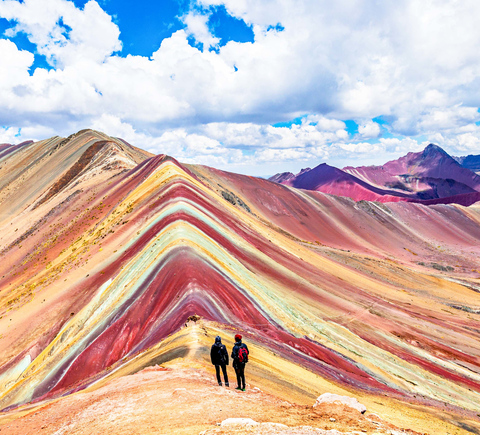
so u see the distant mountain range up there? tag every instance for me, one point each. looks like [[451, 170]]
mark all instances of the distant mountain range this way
[[431, 176], [6, 148], [470, 162]]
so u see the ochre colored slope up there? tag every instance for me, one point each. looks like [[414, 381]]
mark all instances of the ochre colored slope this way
[[180, 395], [106, 259]]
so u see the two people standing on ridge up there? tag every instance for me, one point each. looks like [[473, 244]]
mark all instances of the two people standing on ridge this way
[[219, 358]]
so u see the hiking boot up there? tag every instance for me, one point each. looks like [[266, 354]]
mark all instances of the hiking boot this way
[[220, 383], [243, 389], [238, 388], [226, 384]]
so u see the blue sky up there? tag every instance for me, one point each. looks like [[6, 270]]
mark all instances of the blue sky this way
[[258, 86], [144, 24]]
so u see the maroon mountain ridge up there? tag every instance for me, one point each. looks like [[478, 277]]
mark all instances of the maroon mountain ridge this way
[[431, 176]]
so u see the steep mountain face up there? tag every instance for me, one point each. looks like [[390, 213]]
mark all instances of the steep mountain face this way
[[428, 175], [29, 170], [432, 163], [108, 253]]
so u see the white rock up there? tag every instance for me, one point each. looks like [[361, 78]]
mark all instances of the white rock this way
[[239, 422], [344, 400], [274, 425]]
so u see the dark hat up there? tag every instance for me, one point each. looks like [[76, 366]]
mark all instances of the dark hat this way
[[218, 339]]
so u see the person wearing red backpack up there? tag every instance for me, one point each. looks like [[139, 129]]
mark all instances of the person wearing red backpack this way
[[240, 358]]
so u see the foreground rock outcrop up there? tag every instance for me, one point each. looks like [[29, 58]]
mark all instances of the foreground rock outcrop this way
[[351, 402]]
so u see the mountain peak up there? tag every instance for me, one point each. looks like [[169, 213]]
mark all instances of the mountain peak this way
[[424, 175], [303, 171], [282, 177], [432, 149]]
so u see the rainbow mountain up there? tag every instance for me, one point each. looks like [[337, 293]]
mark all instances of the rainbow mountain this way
[[109, 253]]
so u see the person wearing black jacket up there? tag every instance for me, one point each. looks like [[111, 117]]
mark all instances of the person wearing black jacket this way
[[239, 361], [219, 357]]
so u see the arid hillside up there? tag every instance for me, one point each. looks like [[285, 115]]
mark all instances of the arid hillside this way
[[118, 268]]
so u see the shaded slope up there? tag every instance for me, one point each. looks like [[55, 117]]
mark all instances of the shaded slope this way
[[74, 171], [470, 162]]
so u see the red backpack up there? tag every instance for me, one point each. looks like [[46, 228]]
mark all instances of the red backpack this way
[[242, 355]]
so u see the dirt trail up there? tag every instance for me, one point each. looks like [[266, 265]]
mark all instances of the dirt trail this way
[[182, 397], [178, 400]]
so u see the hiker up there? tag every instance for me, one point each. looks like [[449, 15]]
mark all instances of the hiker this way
[[240, 358], [219, 357]]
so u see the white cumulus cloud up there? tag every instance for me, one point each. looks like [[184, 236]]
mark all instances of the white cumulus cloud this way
[[369, 129], [414, 63]]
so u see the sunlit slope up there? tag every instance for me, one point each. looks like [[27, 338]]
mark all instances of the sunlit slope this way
[[425, 314], [104, 268], [447, 234], [27, 172]]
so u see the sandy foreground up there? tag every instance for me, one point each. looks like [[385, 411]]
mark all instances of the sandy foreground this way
[[181, 396], [180, 400]]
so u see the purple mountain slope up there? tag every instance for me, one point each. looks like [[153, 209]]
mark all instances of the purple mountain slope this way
[[429, 175], [416, 172], [328, 179], [282, 177]]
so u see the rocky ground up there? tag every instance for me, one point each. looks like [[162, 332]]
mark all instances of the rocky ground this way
[[180, 400], [181, 396]]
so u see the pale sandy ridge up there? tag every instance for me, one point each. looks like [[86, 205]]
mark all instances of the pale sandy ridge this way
[[181, 397]]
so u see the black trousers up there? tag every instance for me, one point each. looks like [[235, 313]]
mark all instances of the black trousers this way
[[224, 370], [240, 372]]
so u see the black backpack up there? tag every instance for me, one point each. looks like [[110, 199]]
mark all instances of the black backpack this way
[[222, 354]]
